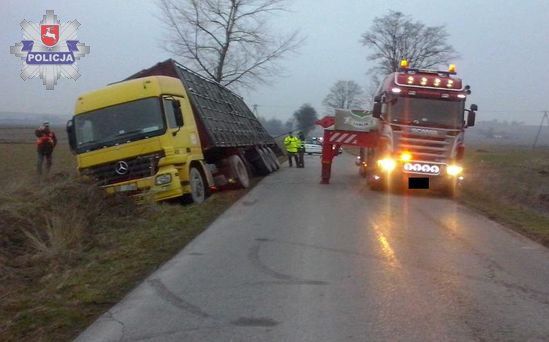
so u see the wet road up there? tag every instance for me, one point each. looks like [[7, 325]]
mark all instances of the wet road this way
[[298, 261]]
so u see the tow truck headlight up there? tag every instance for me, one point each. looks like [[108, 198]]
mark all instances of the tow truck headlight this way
[[454, 170], [386, 164], [163, 179]]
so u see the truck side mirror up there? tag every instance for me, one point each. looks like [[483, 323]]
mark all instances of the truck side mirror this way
[[178, 114], [376, 113], [471, 117], [474, 107], [71, 135]]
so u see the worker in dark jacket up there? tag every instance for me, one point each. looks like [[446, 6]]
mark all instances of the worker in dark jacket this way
[[45, 143], [301, 150]]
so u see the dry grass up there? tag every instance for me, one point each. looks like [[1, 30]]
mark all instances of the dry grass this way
[[68, 252], [510, 185]]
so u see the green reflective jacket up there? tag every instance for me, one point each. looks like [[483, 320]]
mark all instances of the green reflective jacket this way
[[292, 144]]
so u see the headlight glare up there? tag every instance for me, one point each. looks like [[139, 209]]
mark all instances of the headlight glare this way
[[454, 170], [386, 164]]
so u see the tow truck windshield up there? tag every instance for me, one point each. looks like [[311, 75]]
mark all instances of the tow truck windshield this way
[[119, 124], [426, 112]]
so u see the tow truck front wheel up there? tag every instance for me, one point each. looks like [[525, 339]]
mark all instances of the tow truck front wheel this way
[[450, 189], [198, 189]]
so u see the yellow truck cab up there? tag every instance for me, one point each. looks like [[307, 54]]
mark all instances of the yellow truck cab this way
[[149, 135]]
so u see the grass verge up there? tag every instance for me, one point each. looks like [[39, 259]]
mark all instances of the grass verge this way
[[68, 253], [511, 186]]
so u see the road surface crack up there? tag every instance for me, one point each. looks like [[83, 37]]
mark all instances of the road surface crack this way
[[167, 295], [253, 256]]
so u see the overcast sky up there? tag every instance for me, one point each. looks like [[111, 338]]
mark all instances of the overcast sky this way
[[503, 47]]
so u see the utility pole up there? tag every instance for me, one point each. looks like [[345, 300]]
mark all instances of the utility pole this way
[[543, 118]]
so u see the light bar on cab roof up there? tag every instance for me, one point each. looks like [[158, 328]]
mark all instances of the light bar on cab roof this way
[[429, 81]]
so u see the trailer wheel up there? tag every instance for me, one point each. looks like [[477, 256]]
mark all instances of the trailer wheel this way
[[198, 189], [265, 160], [259, 161], [274, 157], [270, 159], [239, 171]]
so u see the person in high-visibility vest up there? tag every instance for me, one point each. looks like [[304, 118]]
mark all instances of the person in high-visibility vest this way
[[45, 143], [292, 144]]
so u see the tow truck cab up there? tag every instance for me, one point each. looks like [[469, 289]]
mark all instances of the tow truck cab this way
[[421, 130]]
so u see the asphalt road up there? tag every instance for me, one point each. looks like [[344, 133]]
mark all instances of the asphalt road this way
[[295, 260]]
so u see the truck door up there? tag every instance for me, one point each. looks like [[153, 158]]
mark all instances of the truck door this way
[[185, 137]]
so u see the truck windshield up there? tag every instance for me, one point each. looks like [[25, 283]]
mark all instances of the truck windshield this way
[[426, 112], [118, 124]]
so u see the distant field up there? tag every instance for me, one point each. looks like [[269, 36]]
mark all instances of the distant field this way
[[19, 161], [20, 135]]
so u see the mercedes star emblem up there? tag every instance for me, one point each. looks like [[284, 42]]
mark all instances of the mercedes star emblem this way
[[121, 167]]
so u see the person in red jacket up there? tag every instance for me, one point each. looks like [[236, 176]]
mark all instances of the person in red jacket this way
[[45, 143]]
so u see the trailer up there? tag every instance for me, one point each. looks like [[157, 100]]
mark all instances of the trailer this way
[[348, 128], [169, 132]]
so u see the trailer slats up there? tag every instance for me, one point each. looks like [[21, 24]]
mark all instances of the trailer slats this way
[[225, 118]]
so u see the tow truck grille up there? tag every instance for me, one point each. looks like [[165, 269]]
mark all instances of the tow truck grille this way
[[137, 167], [426, 148]]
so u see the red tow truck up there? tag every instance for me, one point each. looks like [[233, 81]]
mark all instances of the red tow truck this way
[[418, 141]]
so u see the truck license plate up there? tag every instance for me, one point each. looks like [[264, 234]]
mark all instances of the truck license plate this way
[[430, 169], [126, 187]]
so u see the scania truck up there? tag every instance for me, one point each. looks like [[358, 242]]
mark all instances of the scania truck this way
[[421, 131], [168, 132]]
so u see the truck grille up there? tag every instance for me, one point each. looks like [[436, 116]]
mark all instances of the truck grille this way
[[426, 148], [135, 168]]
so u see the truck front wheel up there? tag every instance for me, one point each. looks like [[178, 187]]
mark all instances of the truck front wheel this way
[[198, 189], [450, 189]]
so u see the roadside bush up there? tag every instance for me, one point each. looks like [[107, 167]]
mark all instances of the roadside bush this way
[[51, 222]]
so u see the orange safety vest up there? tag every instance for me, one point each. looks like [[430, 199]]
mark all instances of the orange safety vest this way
[[46, 138]]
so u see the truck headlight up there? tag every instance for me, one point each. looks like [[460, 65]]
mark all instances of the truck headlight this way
[[454, 170], [163, 179], [386, 164]]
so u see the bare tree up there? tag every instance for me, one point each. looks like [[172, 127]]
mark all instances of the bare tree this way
[[344, 94], [396, 36], [227, 41]]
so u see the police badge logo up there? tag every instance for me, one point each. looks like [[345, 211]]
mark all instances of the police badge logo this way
[[49, 50]]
